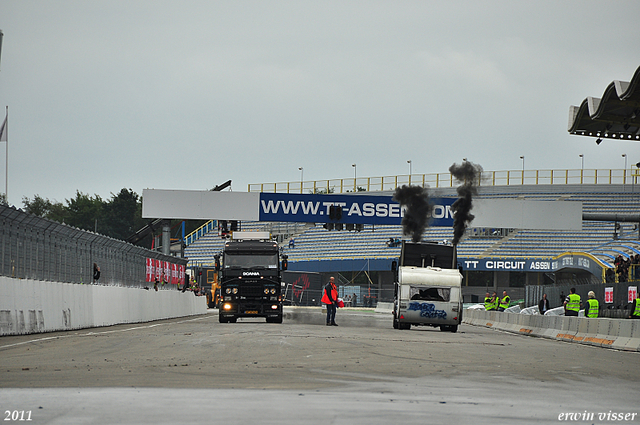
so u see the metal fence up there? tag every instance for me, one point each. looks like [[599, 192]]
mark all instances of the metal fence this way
[[629, 177], [40, 249]]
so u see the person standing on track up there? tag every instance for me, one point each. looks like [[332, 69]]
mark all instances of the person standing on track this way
[[330, 299]]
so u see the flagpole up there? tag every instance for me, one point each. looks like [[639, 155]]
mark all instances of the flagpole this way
[[6, 158]]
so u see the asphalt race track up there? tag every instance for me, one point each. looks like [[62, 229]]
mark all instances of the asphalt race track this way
[[198, 371]]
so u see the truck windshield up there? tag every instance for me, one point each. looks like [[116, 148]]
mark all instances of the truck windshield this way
[[430, 294], [251, 261]]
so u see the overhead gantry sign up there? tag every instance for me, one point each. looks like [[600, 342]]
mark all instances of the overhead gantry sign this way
[[351, 208]]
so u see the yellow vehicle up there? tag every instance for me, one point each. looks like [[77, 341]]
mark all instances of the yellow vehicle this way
[[207, 279]]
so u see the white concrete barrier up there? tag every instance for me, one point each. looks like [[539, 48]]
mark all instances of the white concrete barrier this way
[[634, 341], [384, 307], [537, 325], [599, 332], [582, 331], [621, 334], [624, 334], [30, 306]]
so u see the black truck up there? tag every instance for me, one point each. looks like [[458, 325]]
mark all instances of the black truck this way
[[250, 278]]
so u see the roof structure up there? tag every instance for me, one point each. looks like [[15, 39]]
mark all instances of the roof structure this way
[[616, 115]]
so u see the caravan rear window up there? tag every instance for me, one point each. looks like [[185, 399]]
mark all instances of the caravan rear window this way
[[429, 294]]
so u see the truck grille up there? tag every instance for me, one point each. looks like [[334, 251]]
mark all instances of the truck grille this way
[[251, 291]]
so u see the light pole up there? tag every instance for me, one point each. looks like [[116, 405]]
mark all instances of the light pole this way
[[409, 162], [355, 169], [301, 177], [581, 168], [624, 172], [522, 158]]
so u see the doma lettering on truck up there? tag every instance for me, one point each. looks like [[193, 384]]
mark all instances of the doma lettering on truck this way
[[250, 278], [427, 290]]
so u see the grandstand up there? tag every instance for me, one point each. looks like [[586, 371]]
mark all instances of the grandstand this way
[[320, 250]]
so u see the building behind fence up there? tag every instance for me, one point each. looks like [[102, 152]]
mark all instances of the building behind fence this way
[[41, 249]]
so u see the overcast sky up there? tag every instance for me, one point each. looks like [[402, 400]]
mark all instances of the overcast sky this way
[[105, 95]]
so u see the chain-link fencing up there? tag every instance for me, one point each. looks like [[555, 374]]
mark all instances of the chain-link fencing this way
[[41, 249]]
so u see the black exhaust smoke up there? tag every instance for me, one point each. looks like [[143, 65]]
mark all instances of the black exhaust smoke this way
[[467, 174], [415, 199]]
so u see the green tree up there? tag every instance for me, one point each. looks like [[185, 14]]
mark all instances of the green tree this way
[[119, 217], [122, 215], [85, 212], [45, 208]]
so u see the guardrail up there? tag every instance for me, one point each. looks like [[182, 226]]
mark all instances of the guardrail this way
[[618, 334], [446, 180], [200, 231]]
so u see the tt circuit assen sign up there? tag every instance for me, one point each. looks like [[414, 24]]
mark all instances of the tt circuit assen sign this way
[[563, 261], [356, 209]]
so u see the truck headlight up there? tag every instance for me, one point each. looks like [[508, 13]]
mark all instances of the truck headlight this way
[[226, 306]]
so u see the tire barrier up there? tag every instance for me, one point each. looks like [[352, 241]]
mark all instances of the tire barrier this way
[[618, 334], [35, 306]]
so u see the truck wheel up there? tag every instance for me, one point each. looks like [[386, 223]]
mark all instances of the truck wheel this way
[[274, 319], [444, 328], [222, 319], [404, 326], [454, 328]]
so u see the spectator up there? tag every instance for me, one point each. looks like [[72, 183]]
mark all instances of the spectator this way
[[592, 308], [354, 300], [572, 303], [488, 302], [96, 272], [495, 301], [543, 305], [504, 301], [635, 313]]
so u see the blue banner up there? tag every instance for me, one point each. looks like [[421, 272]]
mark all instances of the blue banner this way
[[356, 209]]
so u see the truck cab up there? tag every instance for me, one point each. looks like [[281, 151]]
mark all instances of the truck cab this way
[[428, 288], [250, 278]]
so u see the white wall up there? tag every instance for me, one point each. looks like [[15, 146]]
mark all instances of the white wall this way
[[29, 306]]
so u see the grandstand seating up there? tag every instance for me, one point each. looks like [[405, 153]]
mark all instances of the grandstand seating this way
[[313, 242]]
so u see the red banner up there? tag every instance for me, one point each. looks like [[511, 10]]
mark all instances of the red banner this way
[[149, 273], [164, 271], [633, 293], [608, 294]]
